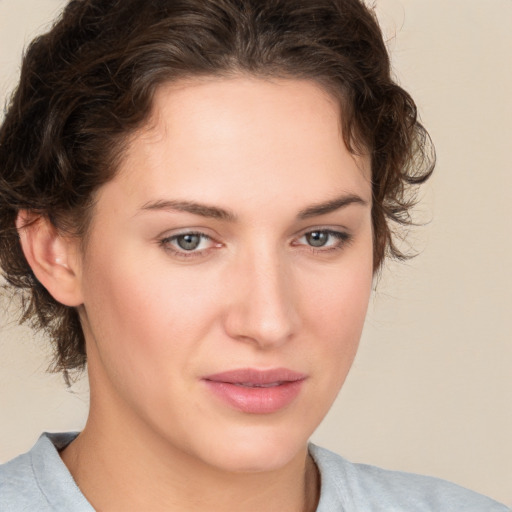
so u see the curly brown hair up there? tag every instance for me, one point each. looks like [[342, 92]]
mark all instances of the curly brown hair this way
[[88, 83]]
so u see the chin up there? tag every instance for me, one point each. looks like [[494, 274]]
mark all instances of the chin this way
[[261, 450]]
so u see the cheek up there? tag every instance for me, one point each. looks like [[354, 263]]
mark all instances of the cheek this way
[[338, 300], [146, 312], [336, 309]]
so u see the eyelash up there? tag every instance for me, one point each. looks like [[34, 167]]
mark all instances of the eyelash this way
[[342, 240], [166, 243]]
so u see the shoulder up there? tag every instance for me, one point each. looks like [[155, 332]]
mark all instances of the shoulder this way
[[18, 486], [369, 488], [39, 480]]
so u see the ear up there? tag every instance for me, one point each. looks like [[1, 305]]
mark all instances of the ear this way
[[52, 257]]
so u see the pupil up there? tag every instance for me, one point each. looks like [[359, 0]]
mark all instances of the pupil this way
[[317, 238], [188, 242]]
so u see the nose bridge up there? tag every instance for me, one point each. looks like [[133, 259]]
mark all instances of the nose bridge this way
[[262, 309]]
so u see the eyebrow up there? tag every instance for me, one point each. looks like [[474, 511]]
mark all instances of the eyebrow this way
[[330, 206], [215, 212], [203, 210]]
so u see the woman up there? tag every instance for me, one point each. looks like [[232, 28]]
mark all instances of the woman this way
[[195, 198]]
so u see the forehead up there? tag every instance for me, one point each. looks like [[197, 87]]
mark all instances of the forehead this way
[[224, 139]]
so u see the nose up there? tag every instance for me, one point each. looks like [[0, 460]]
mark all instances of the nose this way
[[262, 306]]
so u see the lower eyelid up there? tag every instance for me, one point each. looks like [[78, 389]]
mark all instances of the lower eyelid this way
[[169, 244], [341, 238]]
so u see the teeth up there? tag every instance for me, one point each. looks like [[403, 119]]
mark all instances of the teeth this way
[[252, 385]]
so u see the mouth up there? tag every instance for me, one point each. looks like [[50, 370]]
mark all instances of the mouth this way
[[255, 391], [252, 385]]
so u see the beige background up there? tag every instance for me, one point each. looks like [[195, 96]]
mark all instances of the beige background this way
[[431, 389]]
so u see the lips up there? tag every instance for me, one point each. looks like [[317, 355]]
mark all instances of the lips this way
[[256, 391]]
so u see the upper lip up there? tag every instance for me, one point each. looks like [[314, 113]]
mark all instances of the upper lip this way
[[256, 377]]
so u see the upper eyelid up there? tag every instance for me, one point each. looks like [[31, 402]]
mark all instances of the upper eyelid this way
[[333, 232], [183, 233], [173, 233], [329, 229], [203, 232]]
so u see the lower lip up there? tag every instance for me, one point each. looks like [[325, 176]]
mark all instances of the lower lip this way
[[256, 400]]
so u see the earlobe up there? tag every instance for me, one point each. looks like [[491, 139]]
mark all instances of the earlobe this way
[[52, 257]]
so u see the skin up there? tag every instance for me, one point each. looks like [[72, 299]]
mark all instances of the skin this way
[[254, 294]]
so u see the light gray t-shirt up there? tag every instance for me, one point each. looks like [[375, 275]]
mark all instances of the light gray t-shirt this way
[[38, 481]]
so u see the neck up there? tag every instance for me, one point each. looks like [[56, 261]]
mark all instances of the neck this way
[[120, 465]]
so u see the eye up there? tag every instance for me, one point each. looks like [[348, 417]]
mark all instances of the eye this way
[[188, 244], [317, 238], [324, 239]]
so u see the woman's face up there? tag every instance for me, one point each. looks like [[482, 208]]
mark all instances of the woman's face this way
[[228, 270]]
